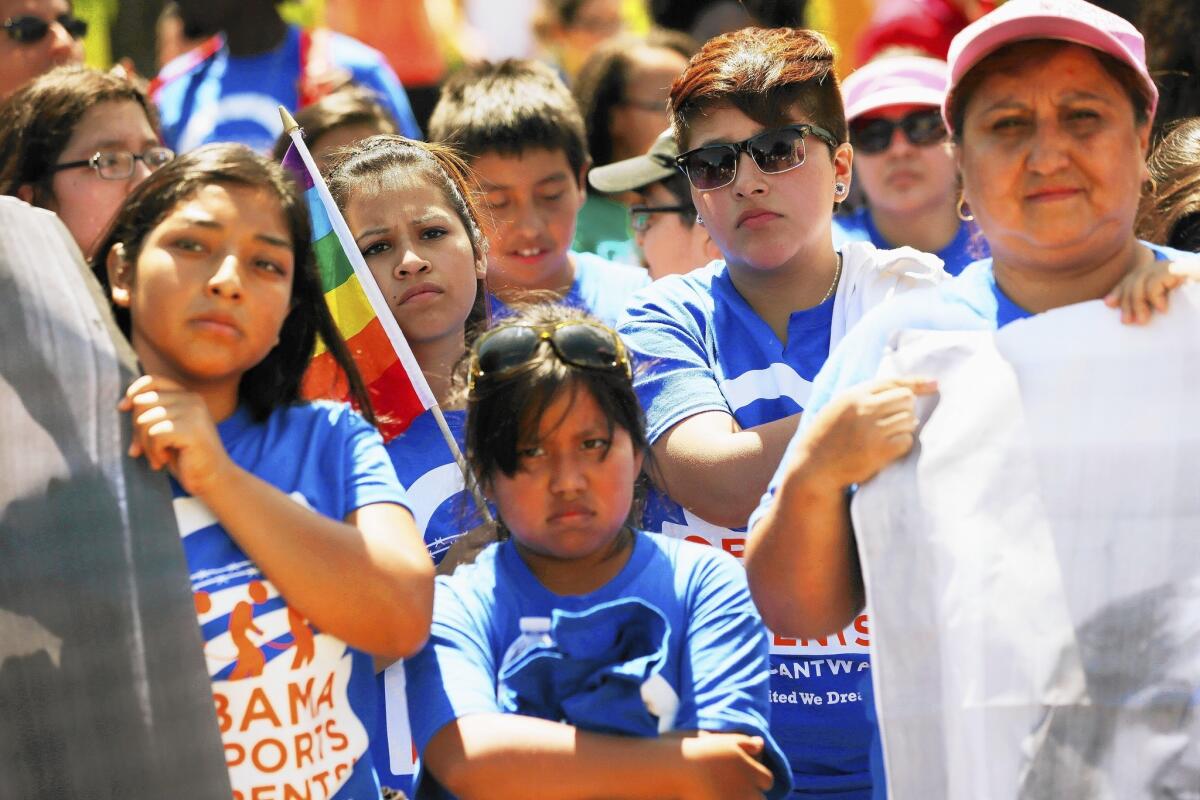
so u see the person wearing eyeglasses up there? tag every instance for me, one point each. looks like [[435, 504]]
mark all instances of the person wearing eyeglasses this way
[[77, 141], [731, 347], [664, 220], [37, 36], [903, 164], [622, 94]]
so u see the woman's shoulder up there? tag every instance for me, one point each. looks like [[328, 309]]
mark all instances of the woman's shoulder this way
[[317, 415], [319, 429], [691, 293]]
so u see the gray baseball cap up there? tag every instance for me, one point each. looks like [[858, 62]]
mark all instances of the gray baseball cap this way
[[634, 173]]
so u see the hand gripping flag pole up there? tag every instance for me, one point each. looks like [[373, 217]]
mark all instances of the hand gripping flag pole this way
[[397, 387]]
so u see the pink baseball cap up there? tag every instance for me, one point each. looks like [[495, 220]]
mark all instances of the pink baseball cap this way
[[1074, 21], [895, 81]]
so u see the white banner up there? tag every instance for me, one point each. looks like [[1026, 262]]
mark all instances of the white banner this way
[[1034, 564]]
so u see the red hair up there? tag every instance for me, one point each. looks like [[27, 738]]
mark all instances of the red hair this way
[[764, 73]]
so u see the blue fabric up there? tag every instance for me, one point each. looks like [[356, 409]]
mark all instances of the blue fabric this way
[[971, 301], [591, 674], [235, 99], [705, 349], [294, 703], [442, 505], [858, 226], [443, 509], [601, 288], [716, 660]]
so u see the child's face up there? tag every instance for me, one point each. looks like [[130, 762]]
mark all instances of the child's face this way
[[211, 287], [532, 199], [767, 221], [419, 252], [569, 498]]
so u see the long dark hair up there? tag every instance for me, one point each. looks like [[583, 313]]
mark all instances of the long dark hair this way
[[274, 381]]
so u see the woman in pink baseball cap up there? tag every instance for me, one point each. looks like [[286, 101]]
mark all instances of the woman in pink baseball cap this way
[[903, 164], [1049, 105]]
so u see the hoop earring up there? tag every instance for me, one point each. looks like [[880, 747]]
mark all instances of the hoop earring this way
[[839, 189], [958, 209]]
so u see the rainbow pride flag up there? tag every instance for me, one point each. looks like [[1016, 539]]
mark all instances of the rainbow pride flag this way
[[398, 390]]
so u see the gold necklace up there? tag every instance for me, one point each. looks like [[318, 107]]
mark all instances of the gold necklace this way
[[836, 277]]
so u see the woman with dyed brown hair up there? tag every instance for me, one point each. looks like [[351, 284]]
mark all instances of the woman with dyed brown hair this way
[[732, 346]]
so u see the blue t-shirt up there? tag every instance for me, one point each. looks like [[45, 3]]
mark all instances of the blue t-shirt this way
[[971, 301], [858, 226], [602, 288], [716, 662], [705, 349], [444, 510], [295, 704], [227, 98]]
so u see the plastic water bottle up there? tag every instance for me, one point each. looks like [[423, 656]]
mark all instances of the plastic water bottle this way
[[535, 631]]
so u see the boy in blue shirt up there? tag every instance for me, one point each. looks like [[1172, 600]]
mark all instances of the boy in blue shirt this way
[[522, 133]]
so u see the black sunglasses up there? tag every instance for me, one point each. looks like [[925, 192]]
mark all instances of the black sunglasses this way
[[29, 29], [921, 128], [715, 165], [580, 344]]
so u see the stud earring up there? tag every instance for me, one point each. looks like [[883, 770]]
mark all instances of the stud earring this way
[[700, 220], [839, 189]]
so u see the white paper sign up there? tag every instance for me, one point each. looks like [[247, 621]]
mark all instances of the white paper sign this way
[[1034, 564]]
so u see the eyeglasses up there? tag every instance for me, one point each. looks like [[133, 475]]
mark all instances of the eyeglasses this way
[[921, 128], [639, 216], [118, 165], [30, 29], [715, 165], [580, 344]]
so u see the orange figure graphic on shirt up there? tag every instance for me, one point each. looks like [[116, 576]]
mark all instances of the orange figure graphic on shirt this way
[[302, 636], [202, 601], [250, 660]]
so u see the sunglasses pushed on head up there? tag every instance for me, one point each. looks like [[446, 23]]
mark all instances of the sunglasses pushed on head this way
[[579, 343]]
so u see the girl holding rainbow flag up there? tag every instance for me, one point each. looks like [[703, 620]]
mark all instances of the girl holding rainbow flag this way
[[411, 212], [211, 275]]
